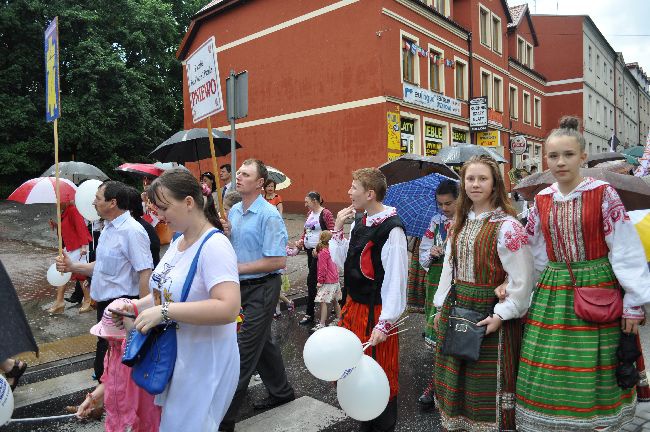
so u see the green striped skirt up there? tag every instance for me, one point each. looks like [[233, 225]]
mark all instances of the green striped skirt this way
[[567, 369], [478, 396], [432, 280], [415, 288]]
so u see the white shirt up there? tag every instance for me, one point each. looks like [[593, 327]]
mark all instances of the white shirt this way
[[207, 358], [122, 252], [312, 230], [517, 261], [394, 259]]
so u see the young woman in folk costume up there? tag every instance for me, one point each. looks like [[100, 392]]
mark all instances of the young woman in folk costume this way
[[486, 246], [581, 237]]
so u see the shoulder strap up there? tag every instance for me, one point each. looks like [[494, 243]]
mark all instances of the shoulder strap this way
[[195, 262]]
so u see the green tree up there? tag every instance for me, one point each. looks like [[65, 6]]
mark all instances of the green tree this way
[[121, 85]]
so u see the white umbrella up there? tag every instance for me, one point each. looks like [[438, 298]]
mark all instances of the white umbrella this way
[[281, 180]]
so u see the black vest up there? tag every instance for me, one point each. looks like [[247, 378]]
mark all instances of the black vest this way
[[359, 287]]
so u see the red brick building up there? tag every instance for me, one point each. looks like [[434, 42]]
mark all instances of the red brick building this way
[[336, 85]]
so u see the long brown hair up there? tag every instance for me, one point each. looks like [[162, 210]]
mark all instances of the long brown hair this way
[[324, 240], [499, 197]]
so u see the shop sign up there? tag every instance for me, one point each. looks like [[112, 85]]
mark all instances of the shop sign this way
[[430, 100], [393, 130], [490, 138], [458, 136], [478, 114], [432, 139], [518, 144], [407, 136]]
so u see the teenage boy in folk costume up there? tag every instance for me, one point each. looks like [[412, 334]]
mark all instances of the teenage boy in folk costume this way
[[375, 264]]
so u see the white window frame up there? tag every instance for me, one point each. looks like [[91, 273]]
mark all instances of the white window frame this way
[[589, 102], [597, 65], [521, 58], [499, 108], [589, 56], [441, 52], [487, 92], [416, 62], [499, 48], [465, 78], [488, 30], [464, 128], [537, 112], [416, 130], [597, 111], [529, 58], [526, 108], [516, 104]]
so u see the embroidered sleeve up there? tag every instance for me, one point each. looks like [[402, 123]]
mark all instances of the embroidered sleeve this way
[[517, 261], [426, 244], [536, 241], [634, 312], [626, 252], [339, 247], [384, 326]]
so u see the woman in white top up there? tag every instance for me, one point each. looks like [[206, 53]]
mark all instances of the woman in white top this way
[[318, 219], [207, 363]]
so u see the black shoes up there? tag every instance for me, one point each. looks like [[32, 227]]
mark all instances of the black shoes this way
[[272, 401]]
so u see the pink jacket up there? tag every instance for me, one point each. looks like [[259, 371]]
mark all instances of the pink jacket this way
[[126, 404], [327, 271]]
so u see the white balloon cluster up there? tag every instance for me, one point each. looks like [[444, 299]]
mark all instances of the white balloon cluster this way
[[336, 354], [84, 198], [6, 401]]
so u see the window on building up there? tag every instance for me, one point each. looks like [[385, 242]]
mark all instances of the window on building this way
[[485, 87], [496, 34], [484, 26], [605, 116], [598, 65], [589, 103], [529, 55], [439, 5], [409, 136], [497, 94], [589, 58], [538, 112], [597, 111], [512, 102], [460, 84], [436, 71], [408, 61], [434, 135], [611, 119], [521, 50], [526, 107], [604, 70]]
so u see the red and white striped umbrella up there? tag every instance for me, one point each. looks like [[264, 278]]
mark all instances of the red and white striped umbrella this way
[[42, 191]]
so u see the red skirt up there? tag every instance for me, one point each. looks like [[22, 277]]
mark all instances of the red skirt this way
[[354, 317]]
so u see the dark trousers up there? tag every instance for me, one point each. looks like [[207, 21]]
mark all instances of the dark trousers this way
[[312, 280], [102, 345], [386, 420], [256, 349]]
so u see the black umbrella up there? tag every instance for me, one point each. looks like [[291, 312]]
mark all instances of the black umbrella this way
[[410, 167], [76, 172], [192, 145], [596, 158], [15, 335]]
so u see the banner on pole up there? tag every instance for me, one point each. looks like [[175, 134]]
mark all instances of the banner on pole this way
[[203, 81], [52, 98]]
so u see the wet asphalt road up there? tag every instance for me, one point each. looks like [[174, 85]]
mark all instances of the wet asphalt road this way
[[414, 375]]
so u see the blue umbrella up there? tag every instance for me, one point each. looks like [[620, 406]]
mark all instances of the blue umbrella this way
[[415, 202]]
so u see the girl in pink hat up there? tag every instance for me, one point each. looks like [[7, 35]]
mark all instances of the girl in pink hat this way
[[127, 406]]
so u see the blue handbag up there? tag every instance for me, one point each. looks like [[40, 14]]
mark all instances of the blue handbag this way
[[152, 356]]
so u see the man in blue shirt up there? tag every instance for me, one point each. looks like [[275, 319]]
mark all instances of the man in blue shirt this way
[[259, 237]]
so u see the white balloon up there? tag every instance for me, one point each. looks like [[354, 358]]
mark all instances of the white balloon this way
[[84, 198], [6, 401], [330, 351], [55, 278], [363, 393]]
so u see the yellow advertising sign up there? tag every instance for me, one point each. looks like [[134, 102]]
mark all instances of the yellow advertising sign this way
[[432, 139], [489, 138], [393, 141]]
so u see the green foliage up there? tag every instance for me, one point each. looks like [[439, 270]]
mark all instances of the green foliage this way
[[121, 85]]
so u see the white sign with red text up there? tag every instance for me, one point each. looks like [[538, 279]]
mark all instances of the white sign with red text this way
[[203, 81]]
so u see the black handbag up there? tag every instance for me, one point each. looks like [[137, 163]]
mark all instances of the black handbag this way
[[463, 337]]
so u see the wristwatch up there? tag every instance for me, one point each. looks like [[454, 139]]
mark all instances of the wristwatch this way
[[165, 312]]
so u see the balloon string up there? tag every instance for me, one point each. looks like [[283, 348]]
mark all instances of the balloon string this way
[[35, 419], [367, 344]]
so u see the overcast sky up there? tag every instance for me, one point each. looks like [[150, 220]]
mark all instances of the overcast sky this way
[[625, 23]]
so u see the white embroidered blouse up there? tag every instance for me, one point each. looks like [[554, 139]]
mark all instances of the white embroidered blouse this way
[[517, 261]]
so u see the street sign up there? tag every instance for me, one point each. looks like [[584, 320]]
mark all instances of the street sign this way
[[518, 144], [203, 81], [478, 114], [52, 97], [237, 95]]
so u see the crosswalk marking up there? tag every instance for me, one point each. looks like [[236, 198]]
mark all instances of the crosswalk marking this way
[[304, 414], [30, 394]]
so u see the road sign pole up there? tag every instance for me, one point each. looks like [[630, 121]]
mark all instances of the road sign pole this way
[[231, 98]]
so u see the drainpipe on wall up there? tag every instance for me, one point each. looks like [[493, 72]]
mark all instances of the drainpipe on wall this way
[[470, 74]]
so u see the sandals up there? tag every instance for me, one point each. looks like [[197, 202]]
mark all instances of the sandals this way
[[16, 372]]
